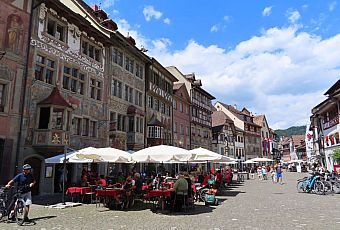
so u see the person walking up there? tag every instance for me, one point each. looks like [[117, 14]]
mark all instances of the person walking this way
[[264, 173], [279, 173], [25, 181]]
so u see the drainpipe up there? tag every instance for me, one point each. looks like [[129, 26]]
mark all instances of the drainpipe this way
[[30, 27]]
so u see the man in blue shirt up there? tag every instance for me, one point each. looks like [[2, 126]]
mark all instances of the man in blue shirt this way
[[26, 181]]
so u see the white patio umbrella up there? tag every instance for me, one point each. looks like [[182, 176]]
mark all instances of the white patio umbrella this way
[[86, 155], [161, 153], [231, 163], [202, 154], [113, 155], [261, 159], [249, 162]]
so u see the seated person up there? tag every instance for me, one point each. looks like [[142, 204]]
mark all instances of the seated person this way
[[120, 178], [138, 183], [188, 179], [84, 181], [156, 183], [101, 182], [180, 188], [206, 178]]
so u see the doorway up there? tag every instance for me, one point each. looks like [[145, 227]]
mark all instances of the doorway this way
[[36, 169]]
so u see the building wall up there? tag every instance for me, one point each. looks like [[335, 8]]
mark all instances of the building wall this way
[[181, 118], [14, 25]]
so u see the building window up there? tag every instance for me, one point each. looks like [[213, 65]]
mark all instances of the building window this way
[[150, 102], [175, 127], [77, 126], [138, 98], [128, 92], [167, 110], [44, 69], [44, 118], [129, 64], [95, 89], [155, 132], [121, 123], [117, 88], [181, 129], [162, 107], [174, 105], [2, 97], [131, 124], [117, 57], [91, 50], [156, 104], [181, 107], [73, 80], [57, 118], [56, 29], [85, 128], [92, 130], [139, 71]]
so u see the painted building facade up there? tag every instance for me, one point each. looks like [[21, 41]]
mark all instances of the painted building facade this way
[[326, 126], [14, 32], [181, 116], [224, 134], [159, 118], [200, 111]]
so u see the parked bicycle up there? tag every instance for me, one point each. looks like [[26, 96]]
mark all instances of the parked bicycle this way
[[12, 206], [311, 184]]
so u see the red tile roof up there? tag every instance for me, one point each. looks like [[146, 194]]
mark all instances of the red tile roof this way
[[55, 98]]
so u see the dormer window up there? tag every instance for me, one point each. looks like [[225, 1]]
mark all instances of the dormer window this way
[[91, 50], [56, 29]]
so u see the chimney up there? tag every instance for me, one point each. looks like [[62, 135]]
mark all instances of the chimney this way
[[95, 7]]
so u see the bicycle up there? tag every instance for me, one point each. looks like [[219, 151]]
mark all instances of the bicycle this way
[[311, 184], [17, 204]]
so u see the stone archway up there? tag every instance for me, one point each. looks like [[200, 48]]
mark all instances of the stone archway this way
[[36, 165]]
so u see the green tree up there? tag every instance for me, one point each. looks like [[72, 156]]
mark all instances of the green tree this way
[[336, 155]]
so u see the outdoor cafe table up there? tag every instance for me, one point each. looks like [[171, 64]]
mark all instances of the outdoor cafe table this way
[[78, 190], [161, 194], [108, 193]]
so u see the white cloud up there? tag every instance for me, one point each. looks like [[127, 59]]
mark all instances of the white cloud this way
[[282, 73], [267, 11], [332, 6], [214, 28], [305, 6], [167, 21], [226, 18], [108, 3], [293, 16], [150, 12]]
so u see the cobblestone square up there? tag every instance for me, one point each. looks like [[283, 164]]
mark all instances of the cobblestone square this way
[[252, 205]]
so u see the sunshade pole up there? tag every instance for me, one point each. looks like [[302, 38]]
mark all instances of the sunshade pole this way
[[64, 175]]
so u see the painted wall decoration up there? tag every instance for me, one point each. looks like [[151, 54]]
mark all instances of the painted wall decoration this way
[[14, 33]]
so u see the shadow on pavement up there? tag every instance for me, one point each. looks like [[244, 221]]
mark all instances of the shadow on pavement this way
[[42, 218]]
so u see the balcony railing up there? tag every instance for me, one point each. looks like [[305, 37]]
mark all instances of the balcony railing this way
[[332, 122], [53, 138]]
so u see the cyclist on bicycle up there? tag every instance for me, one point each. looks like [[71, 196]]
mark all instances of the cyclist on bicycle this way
[[26, 181]]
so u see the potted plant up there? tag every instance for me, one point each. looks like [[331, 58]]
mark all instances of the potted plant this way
[[336, 156]]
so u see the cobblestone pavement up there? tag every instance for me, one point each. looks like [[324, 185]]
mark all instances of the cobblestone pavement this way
[[252, 205]]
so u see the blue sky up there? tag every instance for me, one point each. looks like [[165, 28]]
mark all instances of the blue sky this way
[[274, 57]]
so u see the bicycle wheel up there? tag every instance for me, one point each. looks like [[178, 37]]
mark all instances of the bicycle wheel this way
[[19, 212], [328, 187], [336, 187], [318, 188], [203, 192], [300, 186], [2, 209]]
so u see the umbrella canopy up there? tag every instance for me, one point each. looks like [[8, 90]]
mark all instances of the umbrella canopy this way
[[86, 155], [296, 161], [263, 159], [113, 155], [161, 153], [249, 162], [231, 163], [202, 154]]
